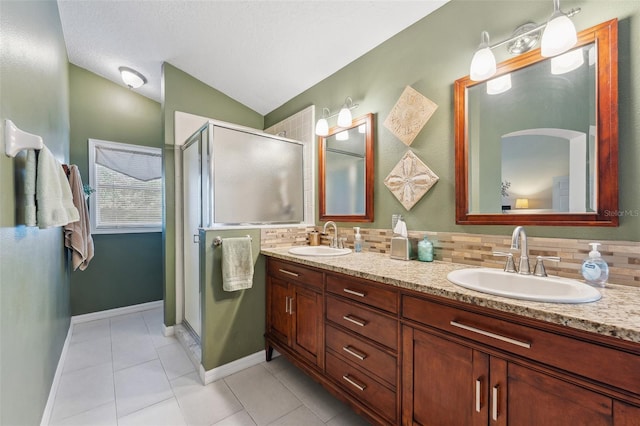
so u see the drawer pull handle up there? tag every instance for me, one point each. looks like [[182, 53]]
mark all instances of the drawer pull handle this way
[[492, 335], [355, 293], [354, 353], [355, 321], [284, 271], [354, 383], [494, 405], [286, 304], [478, 395]]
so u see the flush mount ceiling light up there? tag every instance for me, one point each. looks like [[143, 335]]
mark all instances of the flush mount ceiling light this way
[[344, 117], [558, 37], [132, 78]]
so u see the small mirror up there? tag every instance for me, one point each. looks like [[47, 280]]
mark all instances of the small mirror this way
[[537, 144], [345, 172]]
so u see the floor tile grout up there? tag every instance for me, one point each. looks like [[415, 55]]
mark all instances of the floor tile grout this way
[[138, 327]]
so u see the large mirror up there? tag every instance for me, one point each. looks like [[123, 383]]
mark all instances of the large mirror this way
[[537, 144], [345, 172]]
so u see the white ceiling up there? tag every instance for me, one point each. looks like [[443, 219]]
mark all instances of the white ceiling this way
[[261, 53]]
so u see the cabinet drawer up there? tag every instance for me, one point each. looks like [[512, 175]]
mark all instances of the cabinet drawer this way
[[362, 354], [294, 272], [592, 360], [364, 292], [366, 389], [363, 321]]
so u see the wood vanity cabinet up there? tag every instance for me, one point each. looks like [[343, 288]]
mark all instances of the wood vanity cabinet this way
[[294, 310], [403, 357], [362, 342], [462, 367]]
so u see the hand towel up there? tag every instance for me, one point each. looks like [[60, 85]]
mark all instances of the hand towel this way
[[55, 202], [237, 264], [77, 235], [30, 189]]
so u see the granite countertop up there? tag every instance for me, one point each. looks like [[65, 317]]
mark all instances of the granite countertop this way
[[616, 314]]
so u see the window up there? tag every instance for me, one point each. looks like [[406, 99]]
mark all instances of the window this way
[[127, 180]]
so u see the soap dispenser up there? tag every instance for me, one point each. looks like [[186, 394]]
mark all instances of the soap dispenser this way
[[357, 243], [594, 269]]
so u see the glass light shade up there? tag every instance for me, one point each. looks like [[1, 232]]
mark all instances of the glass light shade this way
[[559, 35], [567, 62], [522, 203], [499, 84], [132, 78], [342, 136], [362, 128], [322, 127], [344, 118], [483, 64]]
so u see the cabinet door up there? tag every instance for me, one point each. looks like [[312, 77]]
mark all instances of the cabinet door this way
[[278, 299], [444, 383], [307, 322], [538, 399], [625, 414]]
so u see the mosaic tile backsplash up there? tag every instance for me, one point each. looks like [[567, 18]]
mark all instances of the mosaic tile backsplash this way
[[623, 257]]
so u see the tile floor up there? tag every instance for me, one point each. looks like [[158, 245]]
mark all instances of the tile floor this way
[[123, 371]]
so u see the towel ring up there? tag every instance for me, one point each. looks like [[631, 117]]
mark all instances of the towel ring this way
[[217, 241]]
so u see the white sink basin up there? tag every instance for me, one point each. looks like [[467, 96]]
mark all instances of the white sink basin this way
[[525, 287], [319, 251]]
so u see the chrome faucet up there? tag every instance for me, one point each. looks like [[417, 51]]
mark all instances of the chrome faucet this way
[[334, 240], [519, 234]]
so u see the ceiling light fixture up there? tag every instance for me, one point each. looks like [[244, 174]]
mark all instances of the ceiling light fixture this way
[[132, 78], [559, 36], [344, 117]]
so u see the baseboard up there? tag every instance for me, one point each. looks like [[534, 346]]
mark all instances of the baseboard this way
[[168, 331], [77, 319], [225, 370], [48, 409]]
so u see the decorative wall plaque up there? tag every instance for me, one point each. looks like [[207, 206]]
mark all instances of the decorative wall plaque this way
[[410, 179], [409, 115]]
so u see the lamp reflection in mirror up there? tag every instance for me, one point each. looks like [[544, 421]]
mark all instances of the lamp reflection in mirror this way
[[483, 64], [559, 34], [522, 203], [499, 84], [342, 136], [567, 62]]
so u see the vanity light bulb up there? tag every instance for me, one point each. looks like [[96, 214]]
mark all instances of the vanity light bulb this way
[[322, 127], [559, 35], [483, 64], [344, 118]]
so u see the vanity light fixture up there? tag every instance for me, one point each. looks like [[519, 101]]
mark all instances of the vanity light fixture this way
[[132, 78], [559, 36], [344, 117], [322, 126]]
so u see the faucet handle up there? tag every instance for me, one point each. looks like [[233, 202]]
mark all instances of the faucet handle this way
[[539, 270], [510, 265]]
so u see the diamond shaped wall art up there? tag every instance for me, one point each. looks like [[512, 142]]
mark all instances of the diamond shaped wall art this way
[[410, 179], [409, 115]]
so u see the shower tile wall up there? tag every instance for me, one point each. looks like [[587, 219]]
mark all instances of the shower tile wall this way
[[300, 127]]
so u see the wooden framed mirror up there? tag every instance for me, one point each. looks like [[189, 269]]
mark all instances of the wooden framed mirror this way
[[542, 147], [345, 172]]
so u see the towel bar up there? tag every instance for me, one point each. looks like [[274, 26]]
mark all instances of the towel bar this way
[[16, 140], [218, 240]]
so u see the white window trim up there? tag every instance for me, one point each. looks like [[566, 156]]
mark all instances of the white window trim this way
[[93, 183]]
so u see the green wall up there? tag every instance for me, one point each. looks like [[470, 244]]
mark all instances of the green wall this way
[[34, 277], [233, 322], [127, 268], [429, 56], [182, 92]]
